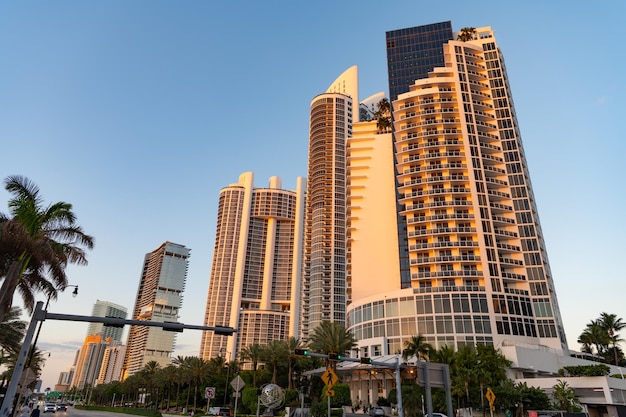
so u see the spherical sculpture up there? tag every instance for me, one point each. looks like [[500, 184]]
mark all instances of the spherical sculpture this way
[[272, 396]]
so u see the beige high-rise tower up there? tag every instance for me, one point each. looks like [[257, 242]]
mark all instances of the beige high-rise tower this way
[[159, 298], [479, 271], [257, 266]]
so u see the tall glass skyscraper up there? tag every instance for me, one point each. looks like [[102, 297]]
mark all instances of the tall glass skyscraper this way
[[159, 297], [413, 52], [107, 309]]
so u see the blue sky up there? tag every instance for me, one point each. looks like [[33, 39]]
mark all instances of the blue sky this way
[[139, 112]]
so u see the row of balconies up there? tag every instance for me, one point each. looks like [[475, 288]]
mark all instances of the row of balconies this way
[[431, 132], [447, 203], [429, 144], [450, 258], [446, 230], [419, 168], [417, 157], [462, 288], [444, 244], [451, 216], [437, 274], [435, 179]]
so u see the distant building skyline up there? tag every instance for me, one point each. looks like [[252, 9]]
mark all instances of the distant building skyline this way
[[159, 298], [107, 309], [257, 266], [89, 361]]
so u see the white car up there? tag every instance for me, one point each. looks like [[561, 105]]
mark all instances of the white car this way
[[49, 408]]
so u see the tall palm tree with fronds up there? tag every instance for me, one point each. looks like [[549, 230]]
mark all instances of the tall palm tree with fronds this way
[[12, 331], [36, 245], [168, 376], [418, 347], [466, 34], [331, 337], [274, 353], [149, 373], [383, 115], [199, 370], [595, 335], [612, 324], [179, 363], [253, 354]]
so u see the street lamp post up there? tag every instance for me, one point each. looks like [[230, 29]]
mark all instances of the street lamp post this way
[[222, 350], [32, 350]]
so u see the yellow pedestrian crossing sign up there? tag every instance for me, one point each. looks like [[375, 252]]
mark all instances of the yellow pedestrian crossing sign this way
[[329, 377], [491, 397]]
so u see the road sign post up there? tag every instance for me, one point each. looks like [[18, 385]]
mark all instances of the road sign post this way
[[237, 385], [491, 397], [209, 392]]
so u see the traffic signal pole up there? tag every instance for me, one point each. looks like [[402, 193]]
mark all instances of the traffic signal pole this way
[[40, 315], [7, 401]]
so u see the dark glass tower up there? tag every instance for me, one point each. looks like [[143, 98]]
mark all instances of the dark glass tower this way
[[413, 52]]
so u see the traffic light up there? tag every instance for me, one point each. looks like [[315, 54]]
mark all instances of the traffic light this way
[[303, 352], [334, 356], [366, 360]]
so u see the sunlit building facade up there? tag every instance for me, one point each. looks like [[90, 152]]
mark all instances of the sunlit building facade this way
[[478, 266], [373, 264], [89, 361], [107, 309], [256, 274], [159, 298], [325, 284]]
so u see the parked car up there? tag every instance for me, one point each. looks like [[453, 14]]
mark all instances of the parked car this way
[[50, 408], [377, 411], [225, 412], [436, 415], [61, 407]]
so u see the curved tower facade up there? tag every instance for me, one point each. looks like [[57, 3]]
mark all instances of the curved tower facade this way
[[478, 265], [324, 290], [257, 266]]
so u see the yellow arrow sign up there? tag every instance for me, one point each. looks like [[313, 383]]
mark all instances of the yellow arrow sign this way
[[491, 397], [329, 377], [330, 392]]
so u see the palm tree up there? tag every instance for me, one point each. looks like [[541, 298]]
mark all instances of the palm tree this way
[[382, 115], [179, 364], [564, 395], [253, 354], [274, 353], [12, 331], [612, 324], [445, 354], [466, 34], [418, 347], [331, 337], [168, 376], [199, 370], [149, 373], [595, 335], [36, 245]]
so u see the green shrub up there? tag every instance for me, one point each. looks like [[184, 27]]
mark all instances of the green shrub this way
[[147, 412]]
